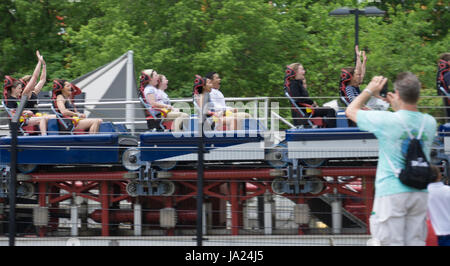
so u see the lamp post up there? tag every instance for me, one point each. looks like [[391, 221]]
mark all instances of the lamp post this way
[[368, 11]]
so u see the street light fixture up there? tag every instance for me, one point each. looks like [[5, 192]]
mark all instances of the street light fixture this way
[[369, 11]]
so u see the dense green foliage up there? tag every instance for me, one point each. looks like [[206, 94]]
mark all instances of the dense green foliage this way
[[249, 42]]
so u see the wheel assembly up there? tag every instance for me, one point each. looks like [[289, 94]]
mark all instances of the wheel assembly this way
[[167, 188], [276, 157], [165, 165], [131, 189], [278, 186], [26, 168], [130, 159], [26, 190]]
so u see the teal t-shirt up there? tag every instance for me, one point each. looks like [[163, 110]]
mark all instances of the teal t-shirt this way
[[393, 140]]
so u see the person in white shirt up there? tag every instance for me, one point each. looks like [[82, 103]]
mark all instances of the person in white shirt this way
[[150, 80], [179, 119], [439, 209], [231, 116]]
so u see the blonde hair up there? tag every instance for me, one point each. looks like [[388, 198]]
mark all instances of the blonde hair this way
[[445, 56], [295, 66], [26, 78], [148, 72]]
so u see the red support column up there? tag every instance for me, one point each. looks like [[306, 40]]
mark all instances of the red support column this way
[[368, 192], [234, 208], [240, 196], [104, 198], [54, 207]]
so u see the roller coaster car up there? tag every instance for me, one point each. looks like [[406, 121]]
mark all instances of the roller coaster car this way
[[315, 146], [440, 150], [103, 148], [167, 150], [58, 150], [61, 149]]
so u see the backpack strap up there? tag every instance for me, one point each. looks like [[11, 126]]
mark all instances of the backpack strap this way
[[395, 170], [405, 126], [422, 127]]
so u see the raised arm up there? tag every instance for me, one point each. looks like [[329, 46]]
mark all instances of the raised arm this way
[[31, 84], [358, 65], [43, 78], [363, 66], [372, 89]]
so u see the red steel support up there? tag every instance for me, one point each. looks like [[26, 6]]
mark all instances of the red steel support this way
[[368, 194], [228, 174], [176, 174], [234, 208], [55, 192], [81, 176], [104, 199], [348, 171]]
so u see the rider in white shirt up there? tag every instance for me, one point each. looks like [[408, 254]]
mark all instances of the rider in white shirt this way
[[218, 100], [160, 101], [179, 119], [232, 118]]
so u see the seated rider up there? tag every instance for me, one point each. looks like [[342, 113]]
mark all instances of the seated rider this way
[[202, 102], [351, 78], [295, 86], [33, 100], [15, 89], [64, 92], [232, 117], [179, 119], [158, 102]]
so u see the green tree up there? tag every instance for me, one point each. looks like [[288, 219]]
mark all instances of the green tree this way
[[248, 42]]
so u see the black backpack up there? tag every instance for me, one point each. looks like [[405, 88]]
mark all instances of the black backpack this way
[[417, 172]]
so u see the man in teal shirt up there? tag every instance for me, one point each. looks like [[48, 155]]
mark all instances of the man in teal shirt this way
[[399, 211]]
